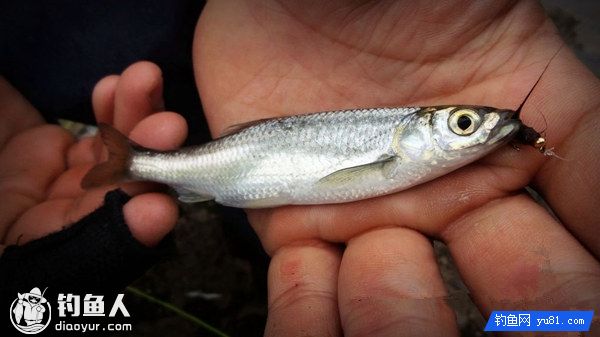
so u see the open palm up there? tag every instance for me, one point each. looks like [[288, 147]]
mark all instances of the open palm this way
[[367, 268]]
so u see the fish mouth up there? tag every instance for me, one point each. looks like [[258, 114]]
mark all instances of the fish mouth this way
[[507, 127], [508, 114]]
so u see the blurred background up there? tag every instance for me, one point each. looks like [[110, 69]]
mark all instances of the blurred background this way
[[216, 269]]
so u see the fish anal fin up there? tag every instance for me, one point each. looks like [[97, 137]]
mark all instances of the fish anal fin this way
[[385, 167], [187, 196]]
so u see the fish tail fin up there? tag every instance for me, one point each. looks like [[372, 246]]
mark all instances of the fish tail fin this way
[[120, 150]]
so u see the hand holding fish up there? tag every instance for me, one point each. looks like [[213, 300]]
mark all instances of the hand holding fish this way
[[277, 58], [42, 165]]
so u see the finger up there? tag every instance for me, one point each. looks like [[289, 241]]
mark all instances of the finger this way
[[43, 217], [39, 220], [16, 113], [138, 94], [513, 255], [103, 99], [303, 291], [161, 131], [30, 162], [47, 216], [390, 285], [150, 216], [85, 151]]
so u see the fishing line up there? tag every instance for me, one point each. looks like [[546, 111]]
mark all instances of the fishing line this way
[[528, 135]]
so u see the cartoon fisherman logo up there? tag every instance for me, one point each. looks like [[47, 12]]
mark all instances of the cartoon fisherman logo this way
[[30, 312]]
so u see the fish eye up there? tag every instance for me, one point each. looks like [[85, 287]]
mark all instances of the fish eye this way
[[464, 122]]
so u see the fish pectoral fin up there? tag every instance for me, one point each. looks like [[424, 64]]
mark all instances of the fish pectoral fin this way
[[187, 196], [385, 166]]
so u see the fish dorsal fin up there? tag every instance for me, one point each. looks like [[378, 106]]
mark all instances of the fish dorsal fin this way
[[235, 128], [383, 166]]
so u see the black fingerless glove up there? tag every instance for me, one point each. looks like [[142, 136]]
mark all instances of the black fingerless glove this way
[[97, 253]]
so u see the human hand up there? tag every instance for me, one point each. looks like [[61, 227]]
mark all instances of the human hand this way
[[367, 268], [42, 165]]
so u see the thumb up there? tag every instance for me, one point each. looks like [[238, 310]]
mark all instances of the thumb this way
[[150, 216]]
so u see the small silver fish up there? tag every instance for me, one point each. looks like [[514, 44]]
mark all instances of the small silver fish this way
[[327, 157]]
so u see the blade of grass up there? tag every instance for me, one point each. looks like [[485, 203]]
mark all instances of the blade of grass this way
[[180, 312]]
